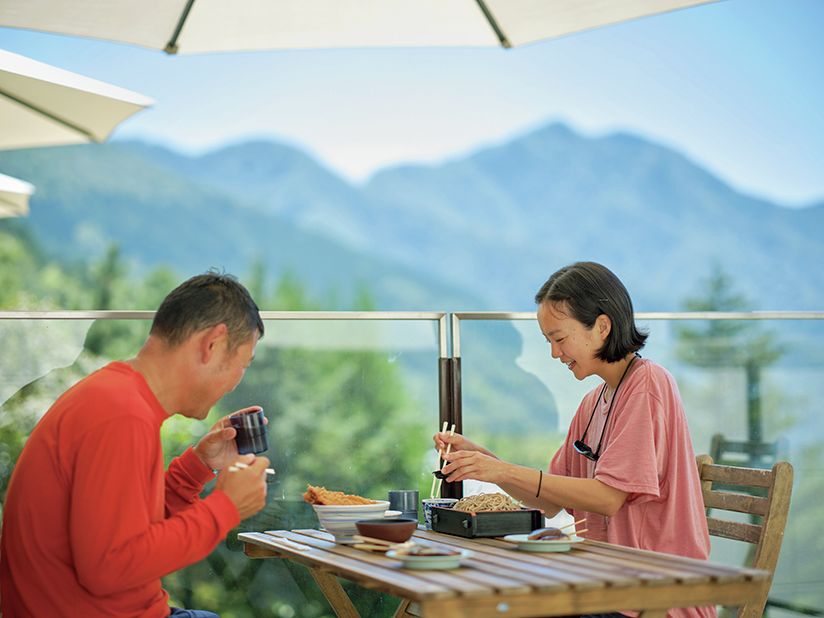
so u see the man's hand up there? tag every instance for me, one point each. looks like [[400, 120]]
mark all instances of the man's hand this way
[[246, 487], [217, 448]]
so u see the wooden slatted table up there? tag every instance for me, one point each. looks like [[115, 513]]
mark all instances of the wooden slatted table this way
[[501, 581]]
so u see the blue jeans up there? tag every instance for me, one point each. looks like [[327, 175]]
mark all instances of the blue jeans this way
[[191, 613]]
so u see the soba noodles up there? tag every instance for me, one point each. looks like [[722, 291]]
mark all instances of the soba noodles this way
[[487, 502]]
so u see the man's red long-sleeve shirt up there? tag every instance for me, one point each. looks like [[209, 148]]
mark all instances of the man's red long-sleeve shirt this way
[[91, 520]]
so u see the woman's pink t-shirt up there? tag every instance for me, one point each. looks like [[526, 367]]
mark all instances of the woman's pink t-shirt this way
[[647, 452]]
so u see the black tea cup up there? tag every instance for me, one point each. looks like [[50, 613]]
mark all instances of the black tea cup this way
[[251, 432]]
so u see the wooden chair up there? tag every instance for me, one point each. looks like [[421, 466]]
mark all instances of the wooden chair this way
[[745, 453], [771, 510]]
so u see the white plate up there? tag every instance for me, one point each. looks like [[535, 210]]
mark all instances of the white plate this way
[[439, 563], [380, 505], [524, 544]]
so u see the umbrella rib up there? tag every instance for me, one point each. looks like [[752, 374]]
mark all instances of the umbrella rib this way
[[171, 46], [56, 119], [492, 22]]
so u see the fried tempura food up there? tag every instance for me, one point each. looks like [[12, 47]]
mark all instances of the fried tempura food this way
[[320, 495]]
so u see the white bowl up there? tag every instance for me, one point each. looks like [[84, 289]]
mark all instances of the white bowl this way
[[339, 520]]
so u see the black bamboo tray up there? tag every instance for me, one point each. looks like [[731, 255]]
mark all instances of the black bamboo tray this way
[[471, 524]]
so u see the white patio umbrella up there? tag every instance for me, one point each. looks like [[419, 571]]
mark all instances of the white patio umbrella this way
[[186, 26], [41, 105], [14, 196]]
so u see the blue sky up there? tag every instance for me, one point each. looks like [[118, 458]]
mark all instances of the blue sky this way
[[737, 86]]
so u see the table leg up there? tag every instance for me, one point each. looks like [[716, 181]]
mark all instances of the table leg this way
[[405, 610], [334, 593]]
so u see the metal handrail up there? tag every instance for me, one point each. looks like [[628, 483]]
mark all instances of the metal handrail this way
[[439, 316], [662, 315]]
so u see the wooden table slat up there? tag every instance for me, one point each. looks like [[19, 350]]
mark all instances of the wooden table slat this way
[[531, 577], [461, 585], [369, 573], [658, 575], [614, 574], [572, 561], [500, 580], [721, 572], [504, 556]]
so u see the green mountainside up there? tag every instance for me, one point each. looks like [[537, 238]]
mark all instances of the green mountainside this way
[[496, 223], [90, 196]]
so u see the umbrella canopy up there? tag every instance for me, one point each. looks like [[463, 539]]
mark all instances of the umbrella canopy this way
[[14, 196], [186, 26], [41, 105]]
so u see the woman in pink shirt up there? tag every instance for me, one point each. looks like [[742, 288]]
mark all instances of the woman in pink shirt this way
[[627, 468]]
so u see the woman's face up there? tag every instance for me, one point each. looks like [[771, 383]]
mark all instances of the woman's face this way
[[572, 343]]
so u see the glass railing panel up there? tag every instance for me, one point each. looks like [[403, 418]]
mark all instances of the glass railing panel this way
[[352, 405], [40, 359], [755, 381]]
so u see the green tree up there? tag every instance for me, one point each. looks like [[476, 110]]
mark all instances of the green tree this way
[[730, 343]]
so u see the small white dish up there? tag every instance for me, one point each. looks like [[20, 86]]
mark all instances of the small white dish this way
[[434, 563], [551, 545]]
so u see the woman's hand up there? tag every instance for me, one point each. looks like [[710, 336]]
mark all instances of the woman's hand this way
[[475, 465], [458, 442]]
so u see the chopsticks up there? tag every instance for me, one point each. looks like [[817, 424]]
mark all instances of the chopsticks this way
[[373, 544], [575, 523], [434, 480], [242, 466], [448, 448]]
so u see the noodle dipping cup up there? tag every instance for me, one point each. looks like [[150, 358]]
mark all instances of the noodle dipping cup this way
[[428, 503], [339, 519], [251, 431]]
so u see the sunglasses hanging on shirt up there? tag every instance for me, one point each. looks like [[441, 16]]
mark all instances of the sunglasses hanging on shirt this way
[[580, 445]]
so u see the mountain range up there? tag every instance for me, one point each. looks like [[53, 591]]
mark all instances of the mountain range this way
[[482, 232]]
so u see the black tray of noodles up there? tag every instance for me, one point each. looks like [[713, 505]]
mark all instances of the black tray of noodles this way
[[472, 524]]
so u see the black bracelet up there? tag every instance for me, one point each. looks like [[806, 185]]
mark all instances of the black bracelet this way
[[540, 480]]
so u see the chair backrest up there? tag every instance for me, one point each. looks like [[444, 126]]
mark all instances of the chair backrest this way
[[745, 453], [771, 509]]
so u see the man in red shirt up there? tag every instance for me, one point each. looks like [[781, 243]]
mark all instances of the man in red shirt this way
[[92, 520]]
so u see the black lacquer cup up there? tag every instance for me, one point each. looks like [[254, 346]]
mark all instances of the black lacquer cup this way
[[251, 432]]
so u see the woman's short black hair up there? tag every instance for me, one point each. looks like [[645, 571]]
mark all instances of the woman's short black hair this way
[[586, 290], [204, 302]]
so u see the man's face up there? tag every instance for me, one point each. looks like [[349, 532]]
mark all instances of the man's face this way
[[223, 375]]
